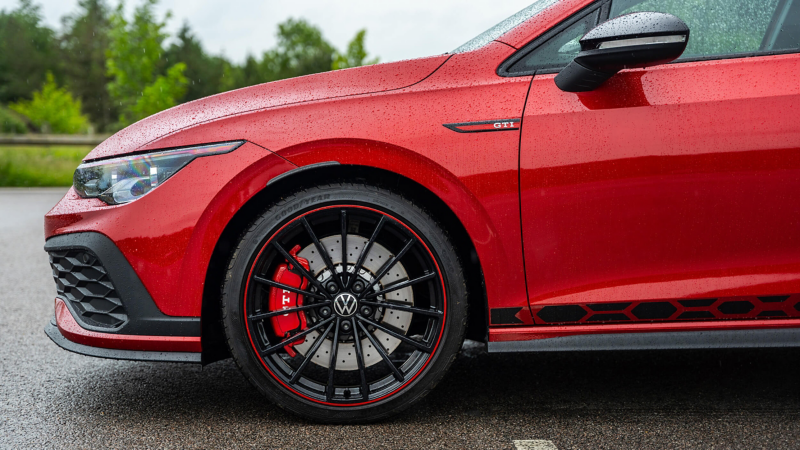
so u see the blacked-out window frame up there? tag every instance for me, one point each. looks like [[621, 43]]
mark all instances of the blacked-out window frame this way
[[603, 5], [605, 10]]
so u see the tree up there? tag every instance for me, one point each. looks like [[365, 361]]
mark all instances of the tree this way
[[162, 93], [84, 46], [207, 75], [301, 50], [11, 122], [28, 50], [53, 108], [356, 54], [249, 73], [134, 62]]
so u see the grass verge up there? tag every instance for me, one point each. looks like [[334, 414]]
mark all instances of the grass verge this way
[[39, 166]]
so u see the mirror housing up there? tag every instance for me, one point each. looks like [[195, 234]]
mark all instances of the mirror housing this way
[[631, 41]]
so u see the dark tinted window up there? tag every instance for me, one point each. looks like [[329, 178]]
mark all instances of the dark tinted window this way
[[726, 27], [559, 50], [784, 32]]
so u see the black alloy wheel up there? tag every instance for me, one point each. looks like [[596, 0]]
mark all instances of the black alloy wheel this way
[[347, 307]]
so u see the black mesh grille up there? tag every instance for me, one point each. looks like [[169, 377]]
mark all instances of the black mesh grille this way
[[82, 280]]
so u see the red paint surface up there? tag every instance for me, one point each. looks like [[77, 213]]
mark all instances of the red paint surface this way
[[679, 181], [341, 83], [70, 329]]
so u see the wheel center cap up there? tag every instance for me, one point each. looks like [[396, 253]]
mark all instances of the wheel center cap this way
[[345, 304]]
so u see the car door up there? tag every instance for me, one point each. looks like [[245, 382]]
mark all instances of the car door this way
[[680, 181]]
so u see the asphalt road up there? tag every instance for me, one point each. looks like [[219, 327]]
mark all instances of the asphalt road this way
[[50, 398]]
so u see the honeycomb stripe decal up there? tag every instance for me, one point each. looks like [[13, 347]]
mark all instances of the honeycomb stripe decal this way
[[676, 310], [505, 316]]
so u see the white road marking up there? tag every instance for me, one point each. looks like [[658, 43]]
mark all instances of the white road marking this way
[[538, 444]]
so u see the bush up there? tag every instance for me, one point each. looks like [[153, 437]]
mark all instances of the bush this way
[[55, 108], [11, 123], [30, 166]]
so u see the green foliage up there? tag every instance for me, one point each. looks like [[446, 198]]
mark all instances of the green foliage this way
[[134, 62], [83, 47], [161, 94], [28, 166], [206, 75], [11, 123], [120, 70], [53, 108], [301, 50], [28, 50], [356, 54]]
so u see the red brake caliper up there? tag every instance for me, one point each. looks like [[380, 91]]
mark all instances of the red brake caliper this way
[[282, 299]]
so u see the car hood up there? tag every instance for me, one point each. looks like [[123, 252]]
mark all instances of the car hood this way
[[340, 83]]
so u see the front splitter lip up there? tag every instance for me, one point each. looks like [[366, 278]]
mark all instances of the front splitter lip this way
[[65, 331], [55, 335]]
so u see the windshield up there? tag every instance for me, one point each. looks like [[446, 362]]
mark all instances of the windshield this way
[[505, 26]]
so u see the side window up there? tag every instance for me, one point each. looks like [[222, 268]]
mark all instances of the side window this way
[[722, 28], [559, 50]]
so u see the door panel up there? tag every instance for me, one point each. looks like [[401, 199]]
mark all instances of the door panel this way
[[681, 181]]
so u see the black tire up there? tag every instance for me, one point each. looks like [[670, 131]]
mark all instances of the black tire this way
[[438, 305]]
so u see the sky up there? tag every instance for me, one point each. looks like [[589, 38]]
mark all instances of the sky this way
[[396, 30]]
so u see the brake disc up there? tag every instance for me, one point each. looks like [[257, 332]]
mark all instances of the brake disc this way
[[399, 320]]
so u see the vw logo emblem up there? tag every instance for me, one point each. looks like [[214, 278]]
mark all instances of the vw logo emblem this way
[[345, 305]]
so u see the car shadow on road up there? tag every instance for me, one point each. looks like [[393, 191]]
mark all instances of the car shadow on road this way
[[479, 384], [485, 401]]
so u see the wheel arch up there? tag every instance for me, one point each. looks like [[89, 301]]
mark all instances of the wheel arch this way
[[322, 172]]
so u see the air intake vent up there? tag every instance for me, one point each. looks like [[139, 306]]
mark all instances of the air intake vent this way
[[82, 280]]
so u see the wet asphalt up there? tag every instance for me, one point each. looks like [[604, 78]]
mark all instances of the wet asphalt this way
[[50, 398]]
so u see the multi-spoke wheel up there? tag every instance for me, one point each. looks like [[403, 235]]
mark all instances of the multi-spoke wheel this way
[[344, 304]]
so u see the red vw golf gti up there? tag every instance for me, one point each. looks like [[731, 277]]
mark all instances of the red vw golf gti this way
[[586, 175]]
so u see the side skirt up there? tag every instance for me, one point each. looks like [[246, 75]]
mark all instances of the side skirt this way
[[130, 355], [656, 341]]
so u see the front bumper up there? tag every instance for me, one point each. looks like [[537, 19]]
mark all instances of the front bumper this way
[[104, 310], [102, 292], [131, 277]]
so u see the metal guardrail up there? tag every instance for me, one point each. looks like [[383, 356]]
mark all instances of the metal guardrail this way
[[52, 139]]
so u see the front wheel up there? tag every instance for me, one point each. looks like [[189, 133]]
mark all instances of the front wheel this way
[[344, 303]]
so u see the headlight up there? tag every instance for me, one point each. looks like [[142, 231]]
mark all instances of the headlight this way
[[123, 180]]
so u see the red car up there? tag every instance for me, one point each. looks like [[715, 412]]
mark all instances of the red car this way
[[586, 175]]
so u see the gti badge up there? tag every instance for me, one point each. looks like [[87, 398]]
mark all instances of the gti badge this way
[[484, 126], [345, 305]]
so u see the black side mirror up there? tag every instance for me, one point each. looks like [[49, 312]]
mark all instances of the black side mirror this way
[[631, 41]]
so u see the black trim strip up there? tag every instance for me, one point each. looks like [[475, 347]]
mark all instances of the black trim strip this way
[[656, 341], [457, 126], [503, 69], [301, 169], [129, 355]]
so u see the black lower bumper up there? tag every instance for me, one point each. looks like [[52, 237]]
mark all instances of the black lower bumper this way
[[130, 355]]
